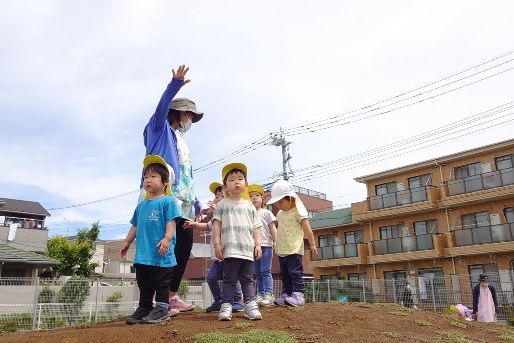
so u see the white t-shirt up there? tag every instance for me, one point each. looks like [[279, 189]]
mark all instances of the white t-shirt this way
[[238, 220], [267, 217]]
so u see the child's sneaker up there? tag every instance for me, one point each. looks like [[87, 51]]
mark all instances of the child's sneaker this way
[[172, 312], [225, 312], [296, 300], [181, 305], [252, 311], [258, 298], [267, 300], [215, 307], [157, 315], [237, 306], [280, 301], [137, 316]]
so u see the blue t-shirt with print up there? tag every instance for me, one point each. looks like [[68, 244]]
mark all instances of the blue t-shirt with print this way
[[150, 219]]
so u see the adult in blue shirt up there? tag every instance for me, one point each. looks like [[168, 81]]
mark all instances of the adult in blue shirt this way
[[163, 136]]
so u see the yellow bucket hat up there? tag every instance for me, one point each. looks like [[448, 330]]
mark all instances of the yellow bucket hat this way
[[151, 159], [254, 187], [213, 186], [232, 166]]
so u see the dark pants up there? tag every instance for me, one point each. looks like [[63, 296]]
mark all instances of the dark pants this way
[[235, 269], [183, 248], [291, 273], [153, 280]]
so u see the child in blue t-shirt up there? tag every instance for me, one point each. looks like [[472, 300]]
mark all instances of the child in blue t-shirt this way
[[153, 223]]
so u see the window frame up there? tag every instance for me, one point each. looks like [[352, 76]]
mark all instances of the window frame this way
[[422, 183], [505, 158], [435, 227], [387, 187]]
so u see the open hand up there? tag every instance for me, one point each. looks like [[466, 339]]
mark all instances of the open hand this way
[[314, 251], [219, 252], [163, 246], [124, 248], [189, 224], [181, 73], [258, 252]]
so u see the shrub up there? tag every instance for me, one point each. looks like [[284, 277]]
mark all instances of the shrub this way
[[114, 301], [183, 289], [46, 295]]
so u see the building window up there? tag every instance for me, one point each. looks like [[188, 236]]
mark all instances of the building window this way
[[357, 278], [386, 188], [504, 162], [328, 240], [420, 181], [477, 269], [392, 231], [329, 277], [475, 220], [132, 269], [354, 237], [468, 170], [509, 214], [425, 227]]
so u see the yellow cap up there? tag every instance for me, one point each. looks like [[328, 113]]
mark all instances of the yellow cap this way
[[232, 166], [151, 159], [213, 186], [256, 188]]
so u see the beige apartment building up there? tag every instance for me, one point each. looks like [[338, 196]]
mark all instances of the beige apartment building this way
[[453, 215]]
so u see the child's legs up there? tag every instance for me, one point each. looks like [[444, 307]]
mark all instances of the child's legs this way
[[183, 248], [161, 278], [246, 279], [143, 277], [295, 268], [238, 296], [265, 270], [258, 276], [214, 276], [230, 276], [287, 286]]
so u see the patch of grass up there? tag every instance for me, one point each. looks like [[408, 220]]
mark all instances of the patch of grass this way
[[314, 337], [391, 334], [457, 322], [242, 325], [421, 322], [254, 336], [452, 337], [501, 331], [398, 313]]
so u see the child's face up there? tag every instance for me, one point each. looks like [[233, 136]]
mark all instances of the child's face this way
[[218, 196], [153, 183], [284, 204], [236, 184], [256, 199]]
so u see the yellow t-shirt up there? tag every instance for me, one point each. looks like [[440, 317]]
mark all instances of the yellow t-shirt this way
[[289, 233]]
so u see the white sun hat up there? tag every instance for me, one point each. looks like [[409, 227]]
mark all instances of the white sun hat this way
[[282, 189]]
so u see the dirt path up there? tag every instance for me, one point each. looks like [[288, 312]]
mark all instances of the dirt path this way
[[318, 322]]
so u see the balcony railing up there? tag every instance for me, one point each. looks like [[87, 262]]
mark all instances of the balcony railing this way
[[403, 244], [399, 198], [26, 223], [484, 235], [336, 251], [480, 182]]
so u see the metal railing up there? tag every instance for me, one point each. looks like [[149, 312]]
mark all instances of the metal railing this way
[[403, 244], [480, 182], [483, 235], [25, 223], [336, 251], [407, 196]]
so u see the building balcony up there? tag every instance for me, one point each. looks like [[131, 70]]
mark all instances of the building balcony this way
[[484, 187], [415, 200], [341, 255], [480, 240], [23, 233], [407, 248]]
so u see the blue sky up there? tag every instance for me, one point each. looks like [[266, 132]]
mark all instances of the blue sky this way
[[79, 80]]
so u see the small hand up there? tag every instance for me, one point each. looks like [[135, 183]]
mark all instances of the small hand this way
[[181, 73], [189, 224], [212, 205], [163, 246], [219, 252], [474, 316], [124, 248], [314, 251], [258, 253]]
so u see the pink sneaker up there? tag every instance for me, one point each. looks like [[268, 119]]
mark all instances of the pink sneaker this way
[[180, 305], [173, 312]]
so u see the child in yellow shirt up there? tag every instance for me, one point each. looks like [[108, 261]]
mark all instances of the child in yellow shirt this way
[[293, 225]]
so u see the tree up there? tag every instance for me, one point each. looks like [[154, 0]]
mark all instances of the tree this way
[[75, 255]]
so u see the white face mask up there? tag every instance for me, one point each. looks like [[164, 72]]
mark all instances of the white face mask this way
[[184, 127]]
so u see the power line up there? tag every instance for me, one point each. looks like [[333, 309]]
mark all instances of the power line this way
[[95, 201]]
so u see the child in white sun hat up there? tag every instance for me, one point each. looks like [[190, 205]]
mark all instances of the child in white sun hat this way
[[293, 225]]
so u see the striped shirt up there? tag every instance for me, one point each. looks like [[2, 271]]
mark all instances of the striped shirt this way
[[238, 220]]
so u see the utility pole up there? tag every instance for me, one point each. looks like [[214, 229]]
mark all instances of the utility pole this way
[[280, 140]]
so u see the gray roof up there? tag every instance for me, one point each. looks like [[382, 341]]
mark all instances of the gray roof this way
[[10, 254], [339, 217], [22, 206]]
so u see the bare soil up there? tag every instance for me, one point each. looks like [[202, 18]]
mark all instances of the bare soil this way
[[317, 322]]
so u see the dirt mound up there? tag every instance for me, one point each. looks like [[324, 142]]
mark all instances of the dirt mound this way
[[318, 322]]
